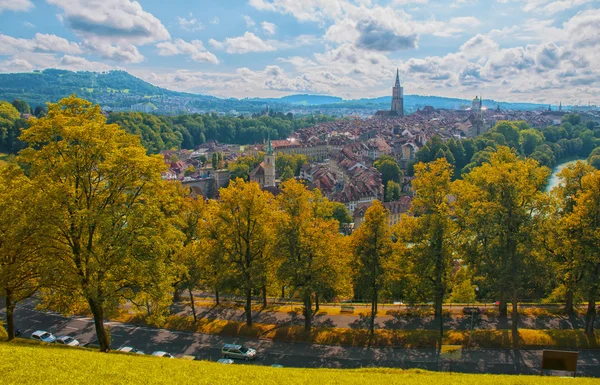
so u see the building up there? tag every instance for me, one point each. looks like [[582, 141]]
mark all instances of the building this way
[[397, 109], [476, 104], [264, 173], [394, 209]]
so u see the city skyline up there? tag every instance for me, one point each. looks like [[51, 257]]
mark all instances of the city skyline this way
[[537, 51]]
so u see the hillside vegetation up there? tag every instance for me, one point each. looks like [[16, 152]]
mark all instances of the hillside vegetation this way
[[23, 363]]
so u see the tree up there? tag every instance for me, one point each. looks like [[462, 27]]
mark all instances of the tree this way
[[39, 112], [107, 224], [21, 106], [390, 171], [340, 213], [497, 207], [557, 235], [583, 226], [510, 131], [428, 236], [530, 139], [372, 248], [309, 246], [214, 160], [21, 228], [243, 228], [393, 191], [188, 258]]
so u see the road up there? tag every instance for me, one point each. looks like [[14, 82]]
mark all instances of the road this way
[[207, 347]]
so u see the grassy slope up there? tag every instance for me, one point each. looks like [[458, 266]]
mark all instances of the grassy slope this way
[[26, 363]]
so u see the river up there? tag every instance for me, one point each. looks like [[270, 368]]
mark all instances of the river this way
[[553, 182]]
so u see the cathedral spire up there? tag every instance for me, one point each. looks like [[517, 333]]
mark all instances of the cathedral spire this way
[[397, 78]]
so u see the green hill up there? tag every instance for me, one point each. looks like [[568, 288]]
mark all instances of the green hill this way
[[112, 88], [26, 363]]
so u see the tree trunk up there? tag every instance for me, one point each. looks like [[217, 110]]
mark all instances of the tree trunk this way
[[373, 313], [10, 322], [248, 306], [515, 318], [316, 302], [264, 295], [193, 304], [439, 314], [101, 334], [503, 305], [307, 312], [569, 309], [217, 302], [590, 315]]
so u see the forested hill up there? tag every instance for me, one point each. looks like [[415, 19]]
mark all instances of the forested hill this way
[[113, 88]]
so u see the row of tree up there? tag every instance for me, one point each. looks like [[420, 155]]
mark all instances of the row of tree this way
[[549, 145], [160, 132], [89, 222]]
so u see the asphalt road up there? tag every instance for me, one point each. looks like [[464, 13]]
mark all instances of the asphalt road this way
[[208, 347]]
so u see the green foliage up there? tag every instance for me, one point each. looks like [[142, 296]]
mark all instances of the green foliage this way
[[389, 169], [393, 191], [288, 165], [340, 212]]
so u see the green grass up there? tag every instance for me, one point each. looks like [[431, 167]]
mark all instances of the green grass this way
[[24, 362]]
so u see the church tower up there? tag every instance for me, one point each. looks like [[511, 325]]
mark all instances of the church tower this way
[[397, 97], [269, 165]]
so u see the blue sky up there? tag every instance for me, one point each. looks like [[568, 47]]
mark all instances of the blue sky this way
[[515, 50]]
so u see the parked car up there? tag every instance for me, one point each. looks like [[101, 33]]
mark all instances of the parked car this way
[[227, 361], [238, 351], [129, 349], [67, 340], [471, 310], [44, 336], [162, 354]]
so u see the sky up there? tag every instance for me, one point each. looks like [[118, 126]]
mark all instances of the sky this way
[[541, 51]]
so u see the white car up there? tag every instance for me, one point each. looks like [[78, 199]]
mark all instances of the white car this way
[[66, 340], [44, 336], [162, 354], [227, 361], [238, 351], [129, 349]]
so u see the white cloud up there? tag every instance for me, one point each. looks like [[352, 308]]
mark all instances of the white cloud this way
[[40, 43], [194, 49], [248, 42], [15, 5], [215, 20], [28, 61], [551, 7], [268, 28], [192, 24], [29, 25], [466, 20], [127, 53], [249, 21], [114, 21]]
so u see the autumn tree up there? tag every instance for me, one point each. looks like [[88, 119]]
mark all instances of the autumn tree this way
[[557, 236], [21, 228], [309, 246], [243, 228], [107, 222], [372, 248], [188, 259], [428, 236], [498, 207], [583, 226]]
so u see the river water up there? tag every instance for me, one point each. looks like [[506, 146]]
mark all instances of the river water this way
[[555, 171]]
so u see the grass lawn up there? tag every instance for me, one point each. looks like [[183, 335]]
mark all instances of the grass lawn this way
[[23, 362]]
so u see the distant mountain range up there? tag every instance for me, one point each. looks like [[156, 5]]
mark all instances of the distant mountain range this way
[[119, 90]]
